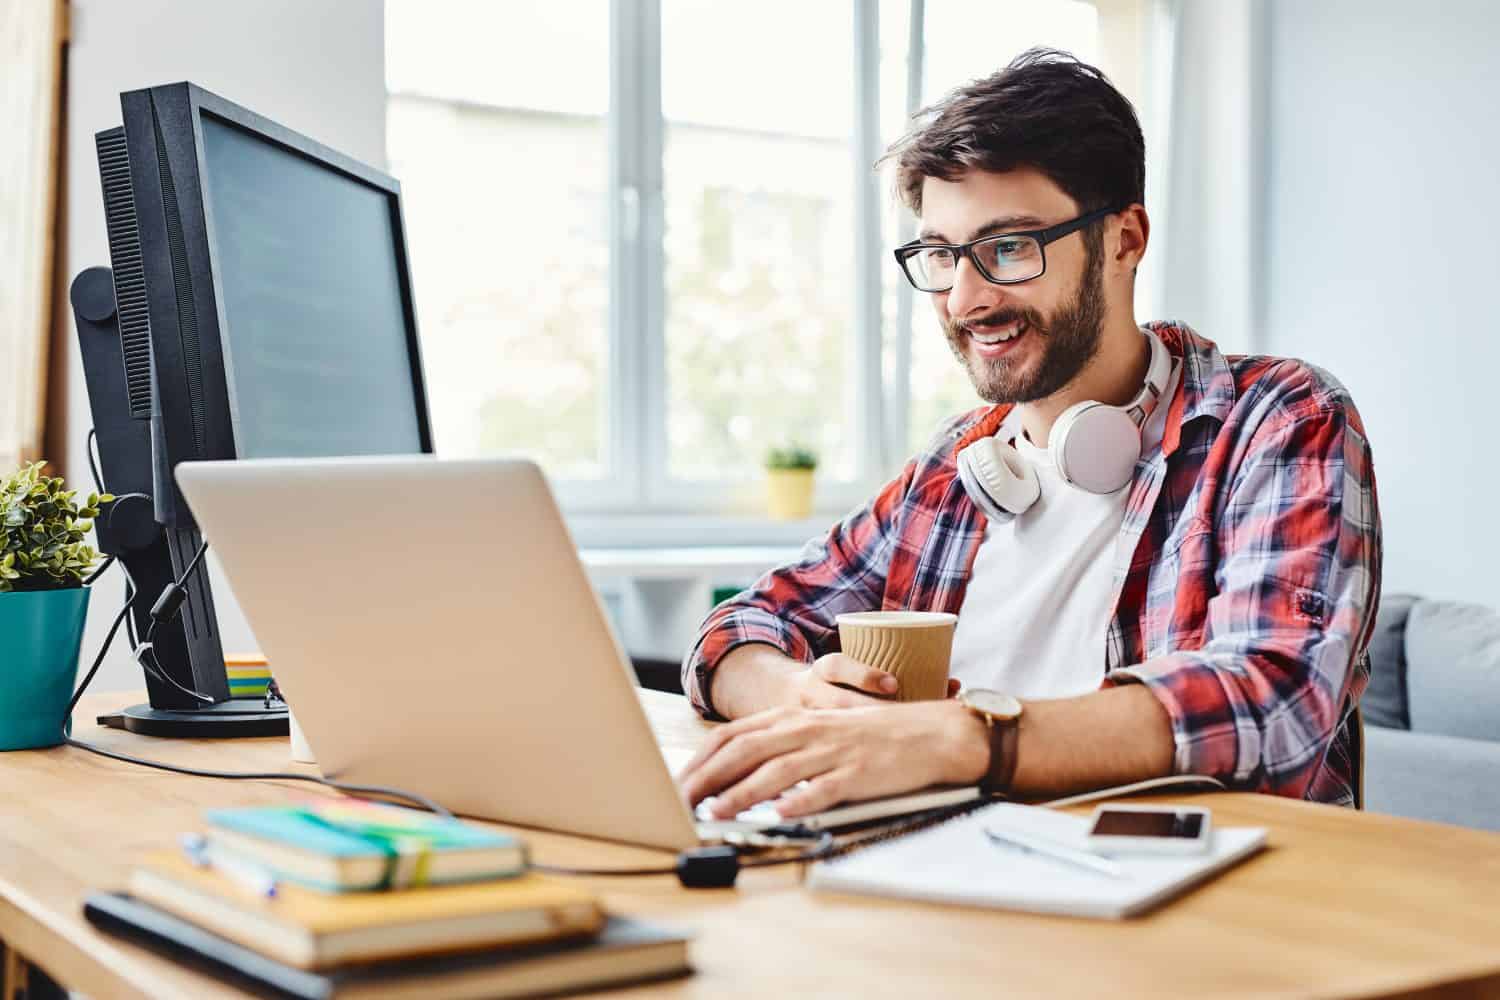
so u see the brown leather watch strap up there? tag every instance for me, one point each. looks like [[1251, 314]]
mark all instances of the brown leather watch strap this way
[[1004, 735]]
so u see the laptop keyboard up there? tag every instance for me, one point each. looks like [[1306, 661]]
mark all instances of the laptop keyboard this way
[[761, 814]]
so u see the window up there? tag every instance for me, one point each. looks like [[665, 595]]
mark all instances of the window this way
[[647, 243], [501, 146], [759, 268]]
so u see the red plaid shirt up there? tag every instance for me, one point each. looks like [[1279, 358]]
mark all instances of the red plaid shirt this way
[[1247, 574]]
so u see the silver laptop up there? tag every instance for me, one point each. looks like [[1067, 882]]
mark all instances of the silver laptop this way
[[430, 623]]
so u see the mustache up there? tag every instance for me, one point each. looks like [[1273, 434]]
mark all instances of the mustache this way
[[1000, 317]]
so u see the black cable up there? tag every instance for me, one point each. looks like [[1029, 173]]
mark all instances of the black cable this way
[[420, 800], [193, 564], [93, 466], [817, 852], [90, 447], [98, 487], [67, 723], [154, 667], [139, 651], [96, 574], [707, 867], [560, 870], [109, 639]]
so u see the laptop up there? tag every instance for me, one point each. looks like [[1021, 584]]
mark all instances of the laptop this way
[[431, 625]]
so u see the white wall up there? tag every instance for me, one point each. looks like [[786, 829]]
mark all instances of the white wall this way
[[1212, 206], [1382, 258], [317, 66]]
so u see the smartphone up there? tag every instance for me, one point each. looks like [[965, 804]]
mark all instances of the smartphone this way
[[1150, 830]]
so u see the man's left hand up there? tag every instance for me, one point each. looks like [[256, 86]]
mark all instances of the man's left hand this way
[[844, 754]]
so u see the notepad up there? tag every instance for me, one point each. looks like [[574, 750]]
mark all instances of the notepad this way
[[956, 863]]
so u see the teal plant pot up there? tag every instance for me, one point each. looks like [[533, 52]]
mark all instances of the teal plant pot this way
[[40, 635]]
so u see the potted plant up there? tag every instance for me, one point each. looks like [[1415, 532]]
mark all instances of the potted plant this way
[[789, 482], [43, 601]]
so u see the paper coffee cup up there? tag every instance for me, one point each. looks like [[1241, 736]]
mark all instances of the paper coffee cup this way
[[912, 645]]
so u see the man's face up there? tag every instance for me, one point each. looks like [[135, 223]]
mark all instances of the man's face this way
[[1026, 341]]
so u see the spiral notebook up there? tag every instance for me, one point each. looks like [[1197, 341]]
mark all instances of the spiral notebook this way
[[955, 862]]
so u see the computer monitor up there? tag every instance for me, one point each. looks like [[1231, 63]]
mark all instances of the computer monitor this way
[[260, 306]]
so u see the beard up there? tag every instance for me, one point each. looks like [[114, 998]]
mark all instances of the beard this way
[[1070, 339]]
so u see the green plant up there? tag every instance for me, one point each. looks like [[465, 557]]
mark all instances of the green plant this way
[[791, 457], [42, 531]]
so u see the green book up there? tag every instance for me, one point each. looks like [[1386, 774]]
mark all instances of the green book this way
[[345, 845]]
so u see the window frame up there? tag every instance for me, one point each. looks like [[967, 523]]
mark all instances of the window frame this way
[[637, 483], [636, 500]]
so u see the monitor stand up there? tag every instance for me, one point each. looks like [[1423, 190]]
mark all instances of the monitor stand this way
[[227, 719]]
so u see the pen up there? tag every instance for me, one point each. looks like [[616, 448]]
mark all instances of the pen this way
[[253, 877], [1057, 852]]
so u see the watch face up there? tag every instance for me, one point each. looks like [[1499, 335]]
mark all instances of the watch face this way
[[992, 703]]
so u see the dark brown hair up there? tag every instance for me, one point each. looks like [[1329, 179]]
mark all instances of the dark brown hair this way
[[1045, 110]]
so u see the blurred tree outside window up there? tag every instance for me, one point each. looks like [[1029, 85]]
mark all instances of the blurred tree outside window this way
[[759, 285]]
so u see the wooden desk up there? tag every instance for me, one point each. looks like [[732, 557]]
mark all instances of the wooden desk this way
[[1342, 904]]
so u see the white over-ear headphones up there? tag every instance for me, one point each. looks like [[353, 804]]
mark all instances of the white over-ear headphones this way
[[1094, 446]]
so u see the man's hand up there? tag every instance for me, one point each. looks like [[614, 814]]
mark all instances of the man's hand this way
[[756, 677], [839, 681], [856, 753]]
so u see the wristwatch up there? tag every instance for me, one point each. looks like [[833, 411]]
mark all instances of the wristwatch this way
[[1002, 715]]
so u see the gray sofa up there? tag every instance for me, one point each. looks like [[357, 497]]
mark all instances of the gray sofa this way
[[1432, 712]]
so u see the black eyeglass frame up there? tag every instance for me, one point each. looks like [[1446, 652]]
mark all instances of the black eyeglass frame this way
[[1051, 234]]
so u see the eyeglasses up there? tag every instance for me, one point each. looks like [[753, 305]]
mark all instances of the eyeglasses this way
[[1003, 259]]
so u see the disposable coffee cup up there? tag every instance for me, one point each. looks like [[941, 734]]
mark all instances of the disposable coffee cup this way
[[913, 646]]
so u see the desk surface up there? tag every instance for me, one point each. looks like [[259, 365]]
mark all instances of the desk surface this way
[[1341, 904]]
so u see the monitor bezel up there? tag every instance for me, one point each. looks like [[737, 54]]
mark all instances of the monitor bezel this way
[[169, 123]]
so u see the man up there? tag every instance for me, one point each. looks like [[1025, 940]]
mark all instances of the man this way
[[1210, 616]]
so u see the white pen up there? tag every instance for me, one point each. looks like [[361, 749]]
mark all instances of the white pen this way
[[1057, 852], [253, 877]]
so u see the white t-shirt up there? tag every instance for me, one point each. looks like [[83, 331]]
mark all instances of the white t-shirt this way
[[1035, 614]]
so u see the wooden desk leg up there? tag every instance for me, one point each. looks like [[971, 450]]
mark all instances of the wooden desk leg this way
[[20, 980], [13, 986]]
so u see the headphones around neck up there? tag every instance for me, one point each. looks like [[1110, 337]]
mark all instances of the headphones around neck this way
[[1094, 447]]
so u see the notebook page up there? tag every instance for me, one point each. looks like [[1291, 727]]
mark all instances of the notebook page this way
[[957, 863]]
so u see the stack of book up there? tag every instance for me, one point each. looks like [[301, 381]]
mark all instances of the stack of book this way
[[350, 899]]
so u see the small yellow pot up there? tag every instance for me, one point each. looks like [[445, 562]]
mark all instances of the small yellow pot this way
[[789, 493]]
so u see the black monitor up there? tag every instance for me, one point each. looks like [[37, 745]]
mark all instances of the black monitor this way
[[260, 305]]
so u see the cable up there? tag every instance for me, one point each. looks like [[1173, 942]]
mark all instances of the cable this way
[[154, 667], [419, 800], [96, 574], [139, 651], [89, 446], [162, 611], [711, 867], [193, 563], [67, 725], [109, 639]]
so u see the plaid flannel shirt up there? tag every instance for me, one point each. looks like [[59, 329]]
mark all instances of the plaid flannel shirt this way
[[1246, 575]]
